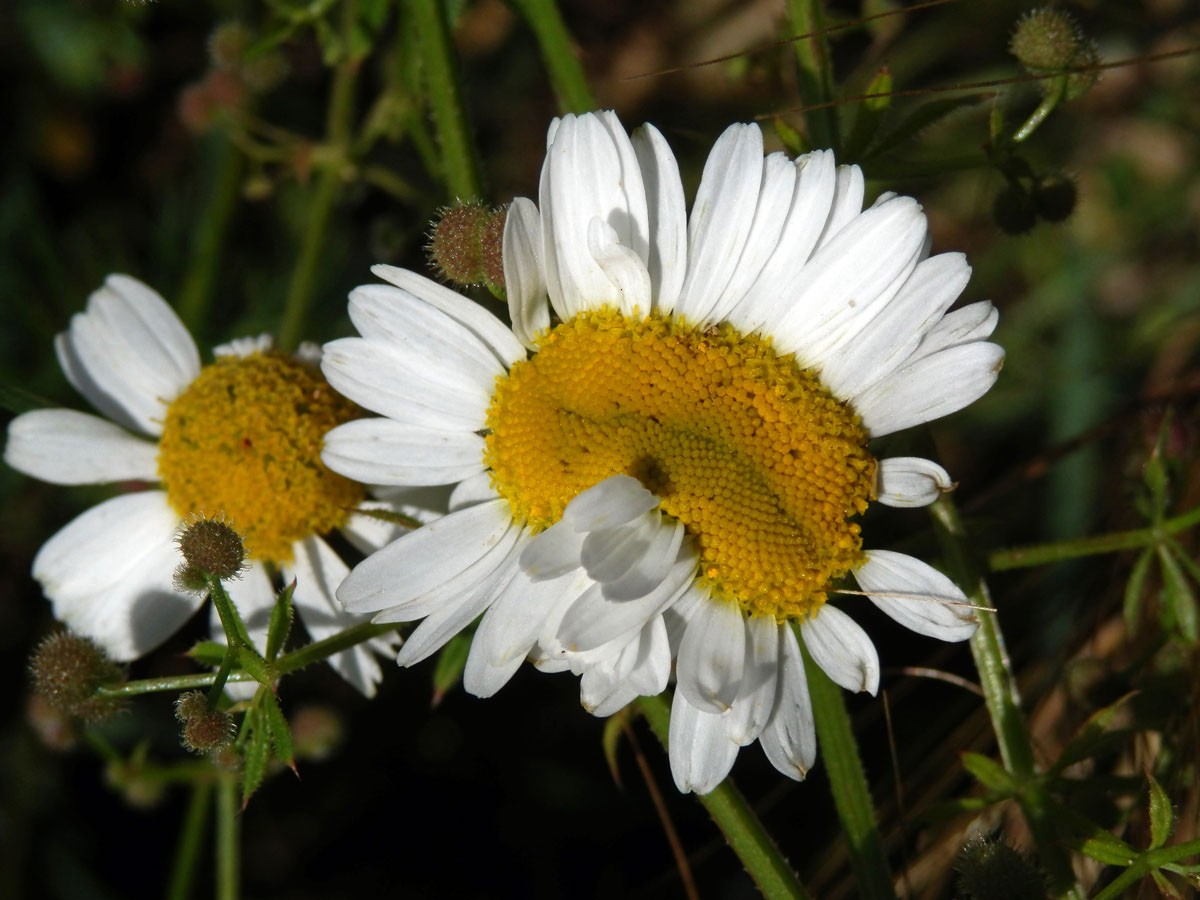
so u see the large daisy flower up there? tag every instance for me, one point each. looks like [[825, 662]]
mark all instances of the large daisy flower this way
[[657, 469], [239, 439]]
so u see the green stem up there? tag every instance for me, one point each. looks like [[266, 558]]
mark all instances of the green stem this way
[[737, 821], [445, 98], [814, 72], [1145, 864], [848, 782], [187, 853], [195, 296], [1001, 696], [1038, 116], [228, 856], [558, 52], [1041, 554], [329, 180]]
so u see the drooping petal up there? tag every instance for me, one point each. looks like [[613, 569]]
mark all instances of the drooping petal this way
[[909, 481], [700, 751], [790, 738], [756, 697], [842, 649], [916, 595], [63, 446], [513, 623], [613, 501], [712, 656], [623, 268]]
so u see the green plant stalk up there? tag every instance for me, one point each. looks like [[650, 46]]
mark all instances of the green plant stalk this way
[[848, 782], [1041, 554], [1039, 115], [737, 821], [195, 296], [1145, 864], [814, 73], [1001, 696], [289, 662], [187, 853], [228, 851], [445, 98], [558, 53], [329, 180]]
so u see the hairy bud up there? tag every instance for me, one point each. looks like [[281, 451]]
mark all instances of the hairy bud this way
[[466, 245], [1013, 210], [1054, 197], [992, 870], [67, 670], [1047, 41], [211, 547], [205, 729]]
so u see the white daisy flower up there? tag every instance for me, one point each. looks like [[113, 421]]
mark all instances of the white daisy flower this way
[[656, 468], [239, 438]]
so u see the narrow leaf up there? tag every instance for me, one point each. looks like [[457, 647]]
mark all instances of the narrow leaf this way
[[207, 653], [1164, 886], [614, 727], [1092, 736], [793, 141], [450, 664], [1178, 599], [919, 119], [989, 773], [250, 660], [277, 727], [1135, 589], [1160, 814], [256, 751], [281, 621], [1111, 852]]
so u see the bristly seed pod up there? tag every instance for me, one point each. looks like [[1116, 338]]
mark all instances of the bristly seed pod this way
[[466, 244], [67, 670], [212, 547], [1048, 41], [205, 729]]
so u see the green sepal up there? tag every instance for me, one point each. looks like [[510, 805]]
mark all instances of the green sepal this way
[[281, 621], [1179, 601], [614, 728], [1135, 589], [207, 653], [256, 750], [989, 773], [1092, 736], [1161, 814], [450, 664], [278, 729]]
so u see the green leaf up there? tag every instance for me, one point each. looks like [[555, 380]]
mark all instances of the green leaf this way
[[1092, 736], [256, 749], [281, 621], [920, 118], [989, 773], [1135, 589], [793, 141], [1154, 473], [1179, 602], [869, 115], [207, 653], [252, 661], [277, 727], [1111, 852], [1164, 886], [1161, 814], [614, 728], [450, 664]]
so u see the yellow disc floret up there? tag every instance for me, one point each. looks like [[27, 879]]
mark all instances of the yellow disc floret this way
[[244, 442], [757, 459]]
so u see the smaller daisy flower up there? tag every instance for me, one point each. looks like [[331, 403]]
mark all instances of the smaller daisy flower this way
[[658, 466], [238, 439]]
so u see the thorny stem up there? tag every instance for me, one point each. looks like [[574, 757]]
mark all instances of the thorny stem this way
[[562, 64]]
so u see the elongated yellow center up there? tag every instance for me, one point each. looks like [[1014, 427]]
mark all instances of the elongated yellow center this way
[[244, 442], [760, 462]]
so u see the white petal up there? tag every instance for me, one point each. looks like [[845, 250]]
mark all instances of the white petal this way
[[552, 553], [939, 608], [477, 320], [667, 263], [242, 347], [380, 451], [523, 280], [774, 203], [909, 481], [512, 624], [721, 218], [839, 646], [769, 299], [645, 574], [930, 388], [404, 387], [712, 656], [756, 697], [318, 571], [790, 738], [609, 554], [847, 202], [973, 322], [623, 268], [129, 354], [426, 559], [108, 574], [473, 490], [889, 339], [614, 501], [482, 678], [63, 446], [700, 751]]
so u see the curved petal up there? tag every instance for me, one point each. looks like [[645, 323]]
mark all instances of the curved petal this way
[[700, 751], [756, 697], [667, 212], [381, 451], [614, 501], [108, 574], [909, 481], [842, 649], [916, 595], [847, 202], [623, 268], [524, 282], [973, 322], [512, 624], [790, 738], [63, 446], [712, 656]]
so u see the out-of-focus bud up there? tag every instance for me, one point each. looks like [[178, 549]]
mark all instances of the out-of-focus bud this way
[[1047, 42], [317, 731], [68, 669], [1013, 210], [1054, 197], [992, 870]]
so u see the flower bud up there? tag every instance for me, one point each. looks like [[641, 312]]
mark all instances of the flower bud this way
[[466, 245], [1054, 197], [1013, 210], [205, 729], [992, 870], [68, 669], [227, 43], [1047, 41], [212, 547]]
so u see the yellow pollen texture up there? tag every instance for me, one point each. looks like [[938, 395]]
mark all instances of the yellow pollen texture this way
[[244, 442], [760, 462]]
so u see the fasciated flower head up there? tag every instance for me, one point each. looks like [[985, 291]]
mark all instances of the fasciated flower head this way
[[659, 466]]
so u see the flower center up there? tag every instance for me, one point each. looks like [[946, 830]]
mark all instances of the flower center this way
[[244, 441], [756, 458]]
